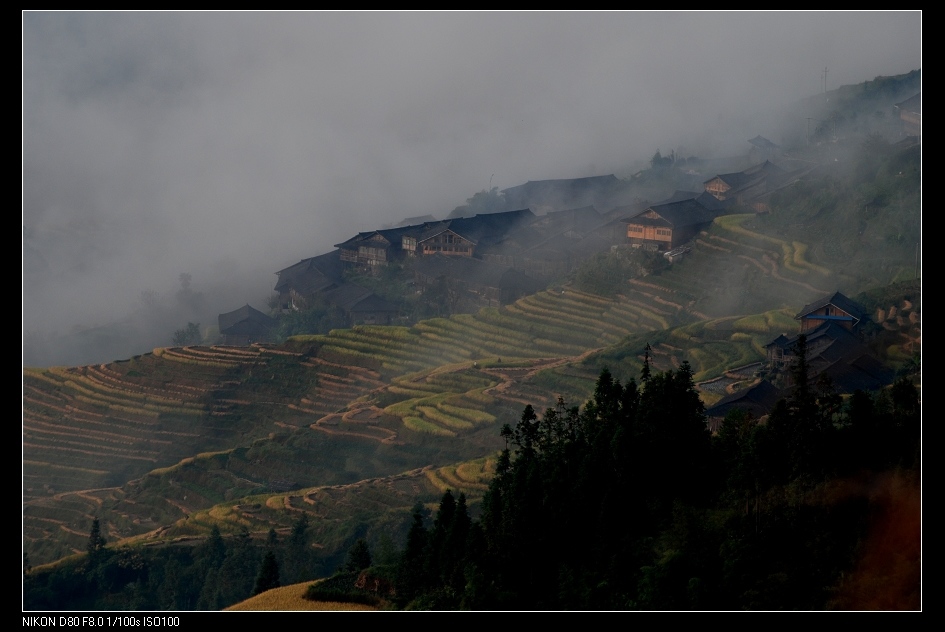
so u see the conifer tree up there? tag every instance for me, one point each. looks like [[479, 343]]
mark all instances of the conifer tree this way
[[96, 541], [297, 553], [96, 544], [268, 577], [411, 579], [359, 556], [435, 554]]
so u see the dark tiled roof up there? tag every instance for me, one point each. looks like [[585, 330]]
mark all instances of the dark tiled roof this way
[[352, 243], [741, 179], [626, 211], [837, 300], [311, 275], [390, 235], [861, 372], [415, 221], [583, 214], [843, 339], [677, 214], [484, 228], [762, 143], [244, 320], [842, 357], [781, 341], [912, 104], [433, 230], [564, 193], [710, 202], [679, 196], [757, 400], [564, 183], [354, 298], [346, 295]]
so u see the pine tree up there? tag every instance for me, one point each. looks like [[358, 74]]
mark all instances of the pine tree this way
[[359, 556], [645, 372], [298, 558], [410, 575], [96, 544], [455, 547], [268, 577]]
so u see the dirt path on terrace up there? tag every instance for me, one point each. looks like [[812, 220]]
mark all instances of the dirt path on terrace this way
[[509, 379]]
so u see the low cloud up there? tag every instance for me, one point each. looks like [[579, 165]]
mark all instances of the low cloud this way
[[230, 145]]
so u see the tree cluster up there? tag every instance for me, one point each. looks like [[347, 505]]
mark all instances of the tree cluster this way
[[607, 273], [630, 504], [217, 573]]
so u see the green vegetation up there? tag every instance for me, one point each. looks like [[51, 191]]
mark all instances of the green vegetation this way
[[606, 273], [189, 335], [350, 427], [629, 504]]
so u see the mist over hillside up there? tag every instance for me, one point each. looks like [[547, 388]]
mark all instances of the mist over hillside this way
[[166, 469], [229, 146]]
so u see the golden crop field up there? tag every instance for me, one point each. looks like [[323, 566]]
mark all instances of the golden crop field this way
[[289, 598]]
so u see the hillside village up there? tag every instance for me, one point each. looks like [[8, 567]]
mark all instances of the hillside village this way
[[492, 259], [383, 369]]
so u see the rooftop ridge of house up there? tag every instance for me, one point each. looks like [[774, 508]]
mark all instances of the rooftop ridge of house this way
[[837, 299], [608, 177], [247, 311]]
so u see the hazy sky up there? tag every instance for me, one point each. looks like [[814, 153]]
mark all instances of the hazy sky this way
[[234, 144]]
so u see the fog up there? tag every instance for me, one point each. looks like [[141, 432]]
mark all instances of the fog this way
[[230, 145]]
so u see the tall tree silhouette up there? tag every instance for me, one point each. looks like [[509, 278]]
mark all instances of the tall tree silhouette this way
[[268, 577]]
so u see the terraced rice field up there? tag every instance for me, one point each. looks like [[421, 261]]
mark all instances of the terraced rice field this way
[[330, 508], [97, 427], [551, 324]]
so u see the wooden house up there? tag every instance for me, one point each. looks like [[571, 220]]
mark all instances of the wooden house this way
[[834, 346], [742, 186], [835, 352], [555, 243], [441, 239], [667, 226], [244, 326], [308, 278], [477, 283], [835, 308], [781, 352], [757, 400], [753, 187], [762, 149], [319, 280], [374, 248], [553, 195], [360, 305], [574, 223], [466, 236]]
